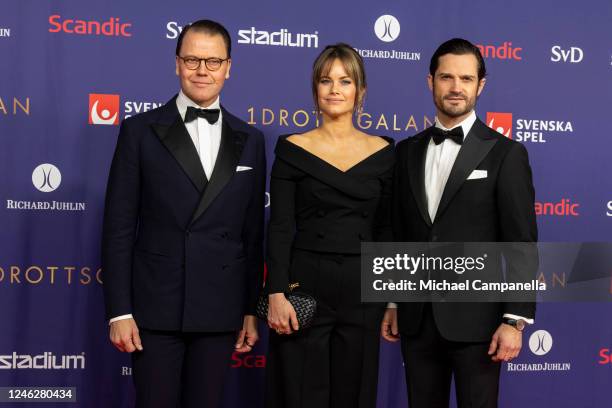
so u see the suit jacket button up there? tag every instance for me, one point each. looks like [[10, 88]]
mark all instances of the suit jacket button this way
[[320, 213], [224, 267], [365, 214], [320, 234], [187, 232], [434, 238], [361, 235]]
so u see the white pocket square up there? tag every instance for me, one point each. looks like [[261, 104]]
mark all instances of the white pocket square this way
[[478, 174], [243, 168]]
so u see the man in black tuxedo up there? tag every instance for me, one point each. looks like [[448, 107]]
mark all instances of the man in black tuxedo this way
[[459, 181], [183, 232]]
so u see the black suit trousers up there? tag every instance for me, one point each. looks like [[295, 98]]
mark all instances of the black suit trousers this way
[[333, 363], [431, 361], [178, 369]]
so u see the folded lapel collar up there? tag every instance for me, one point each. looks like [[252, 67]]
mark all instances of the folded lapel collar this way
[[318, 168], [230, 150], [417, 176], [476, 146], [173, 134]]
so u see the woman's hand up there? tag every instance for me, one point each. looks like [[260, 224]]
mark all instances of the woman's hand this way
[[281, 314]]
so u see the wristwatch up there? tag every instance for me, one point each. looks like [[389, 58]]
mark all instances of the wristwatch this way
[[518, 324]]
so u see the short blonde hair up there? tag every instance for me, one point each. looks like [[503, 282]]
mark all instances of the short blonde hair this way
[[352, 63]]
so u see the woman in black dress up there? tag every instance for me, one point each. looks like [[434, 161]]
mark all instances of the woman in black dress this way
[[329, 192]]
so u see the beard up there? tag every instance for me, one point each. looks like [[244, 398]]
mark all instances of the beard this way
[[454, 110]]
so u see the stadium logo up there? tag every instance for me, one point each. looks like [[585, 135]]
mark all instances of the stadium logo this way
[[572, 55], [5, 32], [103, 109], [387, 28], [46, 178], [609, 212], [501, 52], [44, 361], [282, 38], [527, 130], [540, 342], [113, 27]]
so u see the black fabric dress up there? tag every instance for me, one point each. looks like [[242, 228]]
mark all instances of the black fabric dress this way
[[319, 217]]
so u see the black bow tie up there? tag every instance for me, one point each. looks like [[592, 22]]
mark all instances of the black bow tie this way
[[211, 115], [439, 135]]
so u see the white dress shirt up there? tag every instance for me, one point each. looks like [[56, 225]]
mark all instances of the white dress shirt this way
[[438, 164], [205, 137]]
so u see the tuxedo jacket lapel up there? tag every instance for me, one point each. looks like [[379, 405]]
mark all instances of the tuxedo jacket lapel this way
[[173, 134], [230, 150], [417, 176], [476, 146]]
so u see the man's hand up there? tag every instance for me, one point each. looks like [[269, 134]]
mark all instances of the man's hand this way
[[281, 314], [388, 327], [124, 335], [247, 337], [506, 343]]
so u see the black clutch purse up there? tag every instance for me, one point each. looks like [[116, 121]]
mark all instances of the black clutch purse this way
[[305, 306]]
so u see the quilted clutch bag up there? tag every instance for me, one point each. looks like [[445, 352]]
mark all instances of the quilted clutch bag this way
[[305, 306]]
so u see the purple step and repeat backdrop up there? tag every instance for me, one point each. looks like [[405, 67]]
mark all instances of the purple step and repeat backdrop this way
[[70, 71]]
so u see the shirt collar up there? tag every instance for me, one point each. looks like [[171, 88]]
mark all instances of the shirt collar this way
[[183, 102], [466, 124]]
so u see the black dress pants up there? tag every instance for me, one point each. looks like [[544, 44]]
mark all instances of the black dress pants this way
[[430, 362], [184, 370], [333, 363]]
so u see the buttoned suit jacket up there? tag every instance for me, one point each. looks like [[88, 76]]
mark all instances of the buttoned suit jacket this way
[[181, 252]]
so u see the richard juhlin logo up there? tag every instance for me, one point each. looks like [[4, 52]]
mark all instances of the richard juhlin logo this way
[[46, 178], [103, 109], [540, 342], [387, 28]]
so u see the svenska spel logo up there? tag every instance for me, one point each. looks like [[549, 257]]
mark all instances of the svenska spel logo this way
[[103, 109], [500, 122]]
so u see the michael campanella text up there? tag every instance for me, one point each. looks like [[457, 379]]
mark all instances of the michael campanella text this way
[[466, 285]]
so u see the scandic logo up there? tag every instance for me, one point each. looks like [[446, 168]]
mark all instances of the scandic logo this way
[[502, 52], [562, 208], [44, 361], [113, 27], [103, 109]]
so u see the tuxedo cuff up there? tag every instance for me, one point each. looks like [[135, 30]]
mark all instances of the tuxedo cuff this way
[[517, 317], [122, 317]]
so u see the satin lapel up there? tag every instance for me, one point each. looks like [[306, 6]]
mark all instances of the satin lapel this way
[[416, 164], [474, 149], [178, 142], [230, 150]]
